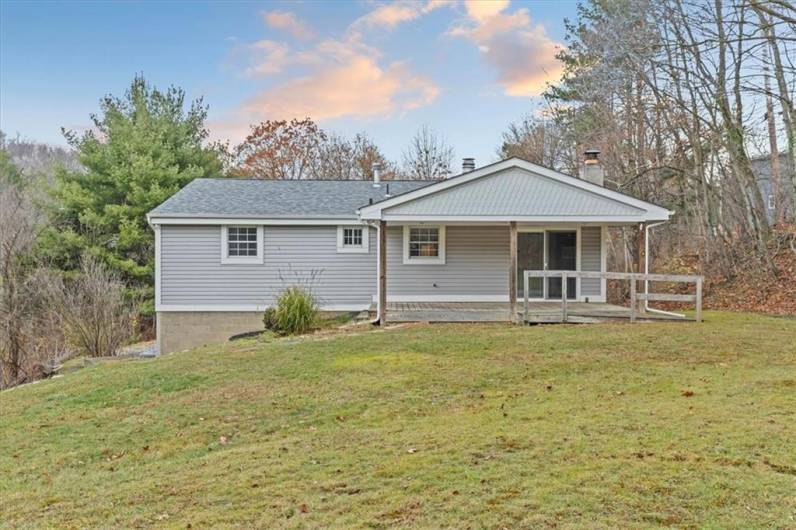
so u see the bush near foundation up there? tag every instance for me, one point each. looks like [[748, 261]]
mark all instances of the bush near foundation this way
[[295, 312]]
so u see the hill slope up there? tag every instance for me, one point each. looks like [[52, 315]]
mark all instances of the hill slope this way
[[430, 426]]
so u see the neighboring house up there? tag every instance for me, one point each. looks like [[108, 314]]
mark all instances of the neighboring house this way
[[225, 248], [761, 167]]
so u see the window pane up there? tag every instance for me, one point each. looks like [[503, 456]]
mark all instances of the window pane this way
[[424, 242], [242, 241], [352, 237]]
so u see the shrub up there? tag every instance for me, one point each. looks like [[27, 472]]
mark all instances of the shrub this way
[[269, 319], [96, 317], [296, 310]]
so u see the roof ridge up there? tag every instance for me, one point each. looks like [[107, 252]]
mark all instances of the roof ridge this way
[[251, 179]]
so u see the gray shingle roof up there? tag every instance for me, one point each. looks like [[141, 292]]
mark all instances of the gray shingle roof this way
[[300, 199]]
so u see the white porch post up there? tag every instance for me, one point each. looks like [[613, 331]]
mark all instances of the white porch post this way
[[382, 273], [513, 270]]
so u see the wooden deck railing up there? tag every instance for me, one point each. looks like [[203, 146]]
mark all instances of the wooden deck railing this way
[[635, 297]]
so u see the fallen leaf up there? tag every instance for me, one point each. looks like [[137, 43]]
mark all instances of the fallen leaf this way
[[687, 393]]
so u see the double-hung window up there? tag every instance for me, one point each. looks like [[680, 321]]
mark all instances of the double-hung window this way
[[241, 244], [352, 239], [424, 244]]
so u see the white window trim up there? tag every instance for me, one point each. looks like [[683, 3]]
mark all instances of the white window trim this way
[[226, 259], [420, 260], [351, 249]]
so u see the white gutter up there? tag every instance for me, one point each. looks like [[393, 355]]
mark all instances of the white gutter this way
[[647, 271]]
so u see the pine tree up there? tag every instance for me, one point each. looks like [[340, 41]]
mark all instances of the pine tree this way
[[144, 147]]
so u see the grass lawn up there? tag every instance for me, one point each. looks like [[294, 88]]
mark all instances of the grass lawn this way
[[433, 426]]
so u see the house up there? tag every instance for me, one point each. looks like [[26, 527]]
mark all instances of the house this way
[[763, 170], [226, 247]]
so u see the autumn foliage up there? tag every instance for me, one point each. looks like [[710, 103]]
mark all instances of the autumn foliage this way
[[299, 149]]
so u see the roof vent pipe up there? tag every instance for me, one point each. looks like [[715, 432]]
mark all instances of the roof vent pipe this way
[[591, 170], [376, 175], [388, 191], [468, 164]]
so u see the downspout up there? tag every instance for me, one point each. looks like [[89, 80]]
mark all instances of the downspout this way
[[647, 271], [377, 225]]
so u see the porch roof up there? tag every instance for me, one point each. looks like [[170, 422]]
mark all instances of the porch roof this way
[[515, 190]]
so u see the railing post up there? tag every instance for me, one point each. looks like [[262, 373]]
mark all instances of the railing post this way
[[633, 300], [563, 296], [699, 299], [526, 286]]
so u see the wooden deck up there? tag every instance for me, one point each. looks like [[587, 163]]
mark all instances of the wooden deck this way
[[538, 312]]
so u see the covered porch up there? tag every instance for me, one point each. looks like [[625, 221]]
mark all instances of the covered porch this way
[[460, 249]]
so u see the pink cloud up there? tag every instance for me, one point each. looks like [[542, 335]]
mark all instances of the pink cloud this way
[[388, 16], [520, 51], [333, 78], [359, 88], [287, 21]]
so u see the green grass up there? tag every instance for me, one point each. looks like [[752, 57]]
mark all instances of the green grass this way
[[441, 426]]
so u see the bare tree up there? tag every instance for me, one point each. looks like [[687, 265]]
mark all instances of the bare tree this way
[[428, 156], [93, 311], [18, 222], [34, 158], [767, 13], [343, 159], [541, 141], [673, 92]]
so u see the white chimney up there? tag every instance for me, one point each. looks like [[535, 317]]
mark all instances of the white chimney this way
[[468, 164], [591, 170], [376, 175]]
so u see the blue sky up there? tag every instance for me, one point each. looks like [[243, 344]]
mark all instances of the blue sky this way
[[467, 69]]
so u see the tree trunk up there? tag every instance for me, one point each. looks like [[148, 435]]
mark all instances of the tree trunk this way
[[788, 111]]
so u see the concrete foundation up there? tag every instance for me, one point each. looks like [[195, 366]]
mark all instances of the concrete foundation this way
[[178, 331]]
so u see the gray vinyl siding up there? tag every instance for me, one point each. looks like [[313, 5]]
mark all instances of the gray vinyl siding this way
[[476, 264], [590, 259], [192, 272]]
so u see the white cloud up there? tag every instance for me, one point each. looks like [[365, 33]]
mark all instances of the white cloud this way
[[520, 51], [266, 57]]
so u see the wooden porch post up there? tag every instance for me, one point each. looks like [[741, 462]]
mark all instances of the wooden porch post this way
[[513, 270], [382, 273], [641, 242]]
